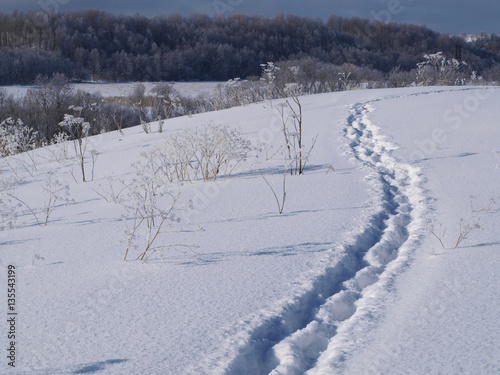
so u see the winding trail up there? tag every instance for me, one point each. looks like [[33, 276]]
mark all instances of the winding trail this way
[[319, 329]]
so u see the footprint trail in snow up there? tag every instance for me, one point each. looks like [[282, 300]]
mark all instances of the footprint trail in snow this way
[[319, 329]]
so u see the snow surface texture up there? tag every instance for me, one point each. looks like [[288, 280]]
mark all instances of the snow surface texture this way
[[348, 280]]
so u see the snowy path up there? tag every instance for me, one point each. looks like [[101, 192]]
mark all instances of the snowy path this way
[[399, 228], [331, 311], [442, 317]]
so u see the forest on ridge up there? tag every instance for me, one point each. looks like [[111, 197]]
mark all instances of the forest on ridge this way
[[100, 46]]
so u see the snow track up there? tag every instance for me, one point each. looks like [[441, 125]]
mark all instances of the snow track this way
[[318, 329], [403, 212], [384, 244]]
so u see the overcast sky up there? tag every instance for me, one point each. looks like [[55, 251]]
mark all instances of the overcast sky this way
[[450, 16]]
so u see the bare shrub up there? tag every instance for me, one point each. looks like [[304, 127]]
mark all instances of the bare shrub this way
[[79, 130], [438, 231], [55, 192], [290, 113], [53, 189], [150, 206], [491, 207], [146, 126], [194, 154], [8, 213], [137, 95], [217, 149], [113, 192], [237, 92], [465, 228]]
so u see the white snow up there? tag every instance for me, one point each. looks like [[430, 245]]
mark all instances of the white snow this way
[[348, 280]]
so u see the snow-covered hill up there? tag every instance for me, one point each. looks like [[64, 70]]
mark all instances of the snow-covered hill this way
[[350, 279]]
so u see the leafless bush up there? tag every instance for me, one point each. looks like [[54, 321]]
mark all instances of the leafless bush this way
[[399, 78], [150, 206], [8, 213], [290, 113], [53, 190], [465, 228], [165, 102], [176, 158], [236, 92], [137, 95], [436, 69], [490, 207], [204, 154], [146, 126], [217, 149]]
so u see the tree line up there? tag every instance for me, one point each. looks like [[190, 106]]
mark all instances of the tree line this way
[[36, 117], [95, 45]]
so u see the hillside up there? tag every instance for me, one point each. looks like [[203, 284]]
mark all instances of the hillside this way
[[348, 279]]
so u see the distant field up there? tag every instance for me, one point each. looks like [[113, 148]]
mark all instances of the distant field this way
[[123, 89]]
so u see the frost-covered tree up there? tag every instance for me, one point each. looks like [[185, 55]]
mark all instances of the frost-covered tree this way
[[15, 137], [45, 105], [436, 69], [165, 101]]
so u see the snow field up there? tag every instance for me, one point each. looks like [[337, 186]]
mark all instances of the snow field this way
[[347, 280], [84, 307]]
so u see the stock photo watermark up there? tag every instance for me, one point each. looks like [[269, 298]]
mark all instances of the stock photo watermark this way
[[52, 6], [385, 15], [223, 7], [11, 315], [393, 7], [453, 119]]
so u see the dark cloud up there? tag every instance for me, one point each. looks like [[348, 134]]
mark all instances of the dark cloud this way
[[443, 15]]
